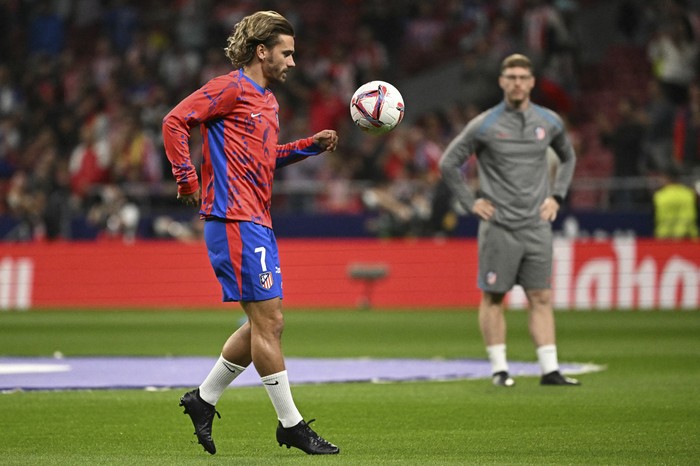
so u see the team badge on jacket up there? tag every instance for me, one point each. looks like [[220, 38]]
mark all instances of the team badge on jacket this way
[[540, 133], [266, 280]]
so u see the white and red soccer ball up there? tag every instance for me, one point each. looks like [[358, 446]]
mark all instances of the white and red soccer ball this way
[[377, 107]]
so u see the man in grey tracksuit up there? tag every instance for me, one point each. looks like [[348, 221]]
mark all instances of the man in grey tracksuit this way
[[515, 206]]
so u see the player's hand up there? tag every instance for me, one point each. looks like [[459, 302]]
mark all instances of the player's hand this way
[[483, 209], [328, 139], [189, 199], [549, 209]]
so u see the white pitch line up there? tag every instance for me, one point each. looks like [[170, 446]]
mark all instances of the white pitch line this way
[[7, 369]]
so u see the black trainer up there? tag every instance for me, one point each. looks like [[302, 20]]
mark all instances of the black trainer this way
[[502, 379], [202, 415], [556, 378], [305, 439]]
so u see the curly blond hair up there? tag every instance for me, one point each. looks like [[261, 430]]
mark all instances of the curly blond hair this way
[[263, 27]]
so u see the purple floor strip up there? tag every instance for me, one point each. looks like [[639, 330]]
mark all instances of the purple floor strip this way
[[31, 373]]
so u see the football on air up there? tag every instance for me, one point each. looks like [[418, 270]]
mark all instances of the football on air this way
[[377, 107]]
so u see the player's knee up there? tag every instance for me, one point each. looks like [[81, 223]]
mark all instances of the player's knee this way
[[273, 325], [540, 299]]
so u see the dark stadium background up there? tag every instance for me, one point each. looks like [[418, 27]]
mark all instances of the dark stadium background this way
[[116, 67], [89, 78]]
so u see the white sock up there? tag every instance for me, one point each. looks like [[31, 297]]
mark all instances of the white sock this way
[[277, 386], [547, 357], [497, 357], [220, 377]]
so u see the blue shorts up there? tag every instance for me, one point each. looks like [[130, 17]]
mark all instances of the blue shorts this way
[[245, 259]]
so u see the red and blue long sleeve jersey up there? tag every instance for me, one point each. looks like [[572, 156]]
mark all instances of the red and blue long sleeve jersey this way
[[239, 123]]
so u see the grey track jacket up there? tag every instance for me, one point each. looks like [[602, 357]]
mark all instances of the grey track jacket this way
[[511, 147]]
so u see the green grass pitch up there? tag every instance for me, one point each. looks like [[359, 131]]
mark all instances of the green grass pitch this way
[[643, 409]]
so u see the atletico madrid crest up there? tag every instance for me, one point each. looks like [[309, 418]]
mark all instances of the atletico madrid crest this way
[[491, 278], [266, 280]]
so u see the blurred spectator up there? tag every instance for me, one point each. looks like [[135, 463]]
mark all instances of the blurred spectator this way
[[90, 162], [686, 140], [366, 158], [548, 35], [10, 140], [38, 193], [404, 196], [10, 26], [342, 72], [140, 84], [192, 19], [423, 36], [501, 39], [338, 195], [674, 56], [369, 56], [66, 132], [594, 165], [468, 23], [628, 19], [180, 67], [546, 32], [46, 32], [44, 99], [299, 178], [121, 21], [114, 214], [86, 18], [105, 62], [11, 98], [675, 208], [27, 205], [59, 210], [626, 140], [215, 64], [134, 155], [151, 116], [637, 21], [403, 205], [659, 137], [328, 109], [553, 95], [75, 78], [166, 227], [90, 111]]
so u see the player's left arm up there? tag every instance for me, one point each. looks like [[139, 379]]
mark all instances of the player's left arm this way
[[287, 154], [561, 144], [327, 139]]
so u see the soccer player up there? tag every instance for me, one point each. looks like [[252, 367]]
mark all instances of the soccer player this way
[[515, 209], [238, 116]]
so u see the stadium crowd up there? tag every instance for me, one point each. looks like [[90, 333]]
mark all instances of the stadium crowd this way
[[84, 85]]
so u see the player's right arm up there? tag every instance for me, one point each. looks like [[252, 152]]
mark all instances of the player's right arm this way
[[206, 103], [190, 199], [456, 154]]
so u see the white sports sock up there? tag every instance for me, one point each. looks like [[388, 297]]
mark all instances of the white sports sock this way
[[277, 386], [220, 377], [547, 357], [497, 357]]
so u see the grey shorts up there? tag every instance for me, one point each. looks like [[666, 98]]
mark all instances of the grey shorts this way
[[514, 257]]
